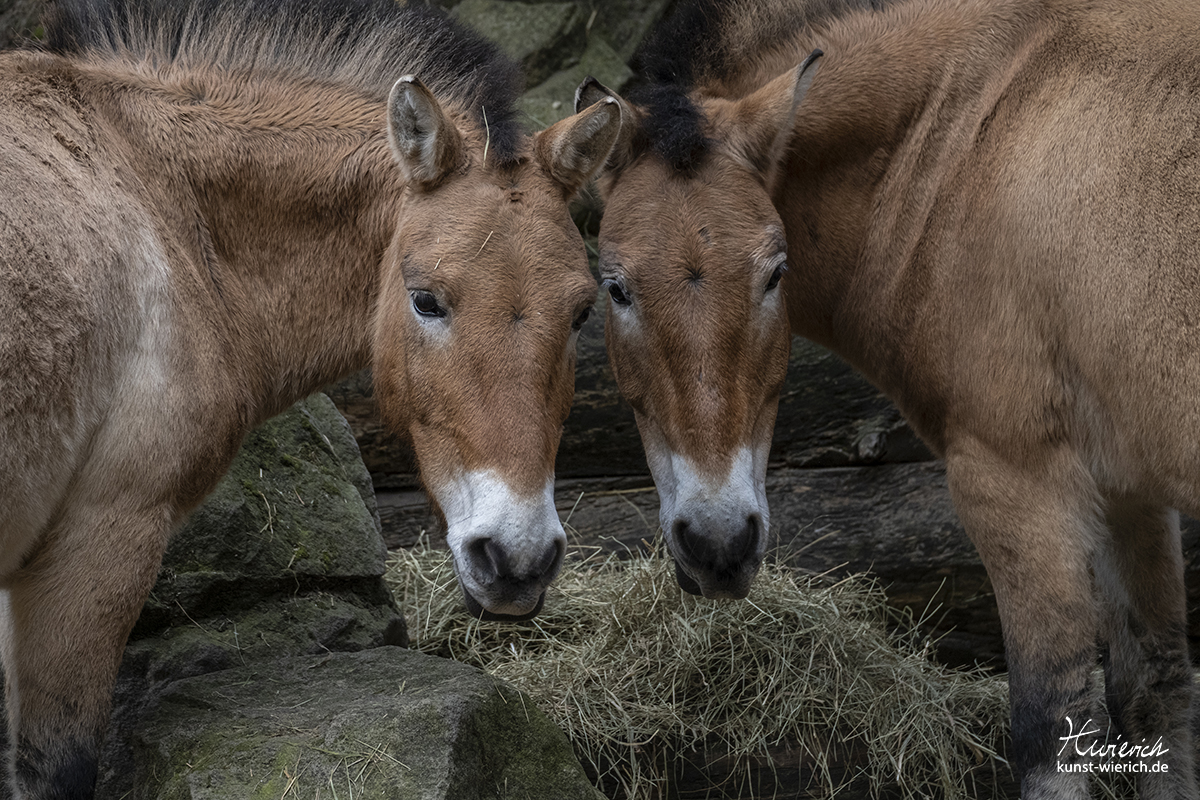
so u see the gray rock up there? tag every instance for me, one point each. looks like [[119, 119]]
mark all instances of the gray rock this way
[[385, 723], [284, 558], [624, 23], [543, 37], [296, 510]]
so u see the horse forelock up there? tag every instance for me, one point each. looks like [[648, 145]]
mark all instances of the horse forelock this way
[[363, 44], [704, 46]]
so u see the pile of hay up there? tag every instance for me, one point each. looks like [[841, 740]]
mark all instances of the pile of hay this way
[[639, 674]]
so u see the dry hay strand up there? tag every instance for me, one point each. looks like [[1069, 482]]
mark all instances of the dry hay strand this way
[[639, 673]]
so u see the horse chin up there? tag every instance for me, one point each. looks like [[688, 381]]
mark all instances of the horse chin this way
[[725, 590], [476, 609]]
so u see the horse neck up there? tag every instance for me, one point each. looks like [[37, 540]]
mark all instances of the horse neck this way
[[898, 96], [281, 200]]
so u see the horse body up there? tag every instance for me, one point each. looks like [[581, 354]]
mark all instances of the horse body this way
[[200, 229], [991, 210]]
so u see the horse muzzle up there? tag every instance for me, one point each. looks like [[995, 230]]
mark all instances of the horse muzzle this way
[[499, 584], [715, 561]]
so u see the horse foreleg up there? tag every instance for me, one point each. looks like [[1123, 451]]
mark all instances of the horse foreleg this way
[[66, 616], [1147, 675], [1035, 525]]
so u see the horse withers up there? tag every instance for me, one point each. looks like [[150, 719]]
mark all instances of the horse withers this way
[[212, 209], [992, 209]]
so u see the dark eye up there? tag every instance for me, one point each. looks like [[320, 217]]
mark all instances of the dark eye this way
[[426, 304], [617, 293], [775, 276], [582, 318]]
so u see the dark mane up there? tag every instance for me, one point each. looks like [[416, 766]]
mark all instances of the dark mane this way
[[363, 43], [705, 41]]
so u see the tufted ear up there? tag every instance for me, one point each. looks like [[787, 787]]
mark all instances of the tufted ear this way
[[591, 92], [574, 149], [766, 120], [424, 140]]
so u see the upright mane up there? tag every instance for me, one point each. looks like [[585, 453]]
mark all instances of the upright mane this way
[[366, 44], [705, 42]]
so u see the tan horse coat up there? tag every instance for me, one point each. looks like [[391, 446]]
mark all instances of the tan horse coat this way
[[992, 209], [202, 224]]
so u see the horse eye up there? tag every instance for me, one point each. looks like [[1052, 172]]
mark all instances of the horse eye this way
[[617, 293], [775, 276], [582, 318], [426, 304]]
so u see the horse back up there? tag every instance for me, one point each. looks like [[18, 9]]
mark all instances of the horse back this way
[[1050, 295]]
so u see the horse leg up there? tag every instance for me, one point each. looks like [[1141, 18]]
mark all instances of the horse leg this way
[[1147, 675], [1035, 525], [66, 616]]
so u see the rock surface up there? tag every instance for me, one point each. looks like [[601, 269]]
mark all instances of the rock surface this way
[[382, 724], [542, 37], [260, 662], [284, 558]]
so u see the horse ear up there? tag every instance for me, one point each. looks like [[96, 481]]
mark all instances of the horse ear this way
[[424, 140], [574, 149], [590, 92], [767, 119]]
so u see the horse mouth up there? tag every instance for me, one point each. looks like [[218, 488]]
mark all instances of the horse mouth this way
[[687, 582], [727, 587], [476, 610]]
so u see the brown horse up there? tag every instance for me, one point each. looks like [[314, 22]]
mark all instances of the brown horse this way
[[992, 209], [211, 210]]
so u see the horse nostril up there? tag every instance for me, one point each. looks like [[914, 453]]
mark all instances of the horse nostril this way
[[488, 559], [680, 531], [548, 564], [695, 543], [493, 562], [747, 542]]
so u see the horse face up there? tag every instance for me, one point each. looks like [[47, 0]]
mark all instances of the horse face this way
[[698, 340], [486, 288]]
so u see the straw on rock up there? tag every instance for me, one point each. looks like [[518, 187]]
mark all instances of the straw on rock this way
[[641, 675]]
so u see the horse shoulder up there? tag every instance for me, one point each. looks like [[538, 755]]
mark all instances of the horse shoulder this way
[[105, 382]]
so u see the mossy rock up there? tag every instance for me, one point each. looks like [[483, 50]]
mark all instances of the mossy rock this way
[[295, 511], [624, 23], [19, 21], [283, 559], [543, 37], [385, 723]]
